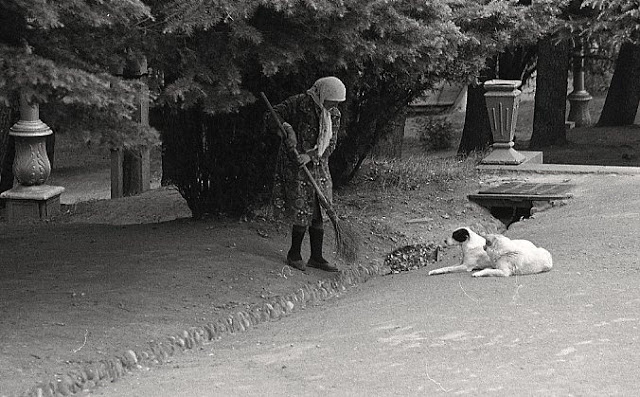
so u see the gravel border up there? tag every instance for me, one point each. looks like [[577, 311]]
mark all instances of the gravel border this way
[[91, 375]]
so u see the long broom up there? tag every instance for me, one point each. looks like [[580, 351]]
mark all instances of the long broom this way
[[347, 242]]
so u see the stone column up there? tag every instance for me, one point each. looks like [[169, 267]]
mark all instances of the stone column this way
[[130, 168], [502, 104], [579, 99], [31, 198]]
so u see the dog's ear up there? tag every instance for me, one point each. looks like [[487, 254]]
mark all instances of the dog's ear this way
[[461, 235]]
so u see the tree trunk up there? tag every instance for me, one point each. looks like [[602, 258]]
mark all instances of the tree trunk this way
[[7, 148], [623, 96], [476, 134], [5, 123], [550, 110]]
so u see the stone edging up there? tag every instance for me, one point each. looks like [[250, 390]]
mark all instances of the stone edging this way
[[90, 375]]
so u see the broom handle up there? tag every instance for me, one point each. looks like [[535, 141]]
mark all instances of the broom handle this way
[[323, 199]]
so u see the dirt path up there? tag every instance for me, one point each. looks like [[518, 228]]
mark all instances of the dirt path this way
[[572, 331], [110, 276]]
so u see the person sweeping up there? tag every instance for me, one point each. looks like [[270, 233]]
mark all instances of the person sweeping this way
[[311, 121]]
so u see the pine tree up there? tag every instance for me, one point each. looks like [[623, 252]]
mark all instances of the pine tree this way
[[616, 24]]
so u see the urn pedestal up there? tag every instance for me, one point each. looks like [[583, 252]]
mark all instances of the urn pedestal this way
[[502, 106], [579, 98], [31, 199]]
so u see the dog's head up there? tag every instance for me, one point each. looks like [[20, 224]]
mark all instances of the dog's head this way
[[497, 245], [458, 236], [496, 241], [465, 236], [461, 235]]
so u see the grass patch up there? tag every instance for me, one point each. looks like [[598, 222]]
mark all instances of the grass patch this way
[[415, 171]]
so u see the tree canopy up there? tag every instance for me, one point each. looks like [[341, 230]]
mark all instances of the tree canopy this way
[[216, 56], [615, 21], [48, 53], [62, 51]]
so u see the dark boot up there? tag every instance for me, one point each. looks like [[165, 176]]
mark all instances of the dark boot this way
[[294, 258], [316, 235]]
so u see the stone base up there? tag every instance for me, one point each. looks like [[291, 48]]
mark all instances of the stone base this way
[[579, 108], [532, 157], [503, 156], [32, 203], [532, 160]]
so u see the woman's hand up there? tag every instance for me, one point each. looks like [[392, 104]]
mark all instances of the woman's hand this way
[[303, 159], [290, 140]]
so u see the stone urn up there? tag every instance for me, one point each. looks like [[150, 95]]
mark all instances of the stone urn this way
[[502, 105], [31, 166], [31, 198]]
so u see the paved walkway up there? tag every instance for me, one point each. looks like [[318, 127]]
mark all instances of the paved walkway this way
[[94, 185], [573, 331]]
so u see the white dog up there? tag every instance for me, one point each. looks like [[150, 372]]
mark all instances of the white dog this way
[[514, 257], [474, 257]]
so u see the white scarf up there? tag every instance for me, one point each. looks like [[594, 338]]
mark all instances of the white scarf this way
[[326, 89]]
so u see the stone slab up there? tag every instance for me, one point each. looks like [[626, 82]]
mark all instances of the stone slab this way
[[521, 194], [535, 168], [529, 189], [39, 192]]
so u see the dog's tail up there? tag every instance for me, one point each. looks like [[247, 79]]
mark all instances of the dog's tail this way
[[547, 259]]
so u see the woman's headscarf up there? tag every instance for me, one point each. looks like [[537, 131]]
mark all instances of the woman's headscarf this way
[[326, 89]]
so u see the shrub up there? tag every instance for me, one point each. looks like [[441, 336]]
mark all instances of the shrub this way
[[219, 164], [436, 133]]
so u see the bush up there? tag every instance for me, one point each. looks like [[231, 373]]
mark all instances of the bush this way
[[436, 133], [219, 164]]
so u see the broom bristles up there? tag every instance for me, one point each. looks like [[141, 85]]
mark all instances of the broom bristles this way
[[347, 242]]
